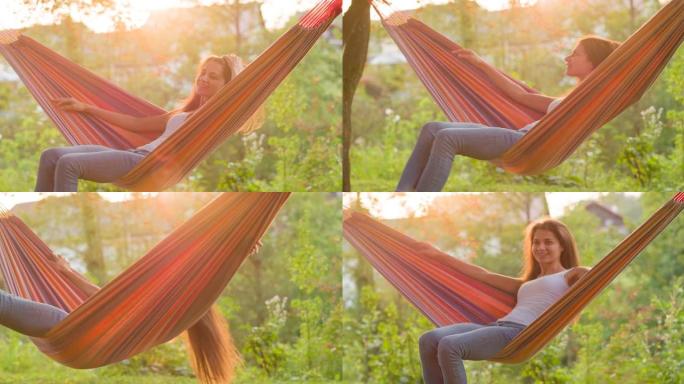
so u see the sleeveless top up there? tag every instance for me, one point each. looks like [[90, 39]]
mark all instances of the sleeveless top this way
[[551, 107], [535, 296], [171, 126]]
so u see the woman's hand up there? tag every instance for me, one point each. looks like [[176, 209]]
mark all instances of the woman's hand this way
[[70, 104], [425, 249], [256, 248], [156, 123], [60, 264], [469, 56], [576, 273], [502, 282], [515, 91]]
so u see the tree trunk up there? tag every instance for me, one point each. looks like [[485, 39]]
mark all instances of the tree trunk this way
[[355, 35], [93, 255], [237, 11]]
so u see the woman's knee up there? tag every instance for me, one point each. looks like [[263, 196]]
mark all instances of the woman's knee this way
[[50, 156], [67, 164], [60, 314], [428, 341], [448, 142], [5, 300], [431, 129], [450, 347], [448, 135]]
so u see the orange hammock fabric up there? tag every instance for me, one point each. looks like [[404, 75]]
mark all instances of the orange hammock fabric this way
[[158, 297], [48, 75], [464, 93], [446, 296]]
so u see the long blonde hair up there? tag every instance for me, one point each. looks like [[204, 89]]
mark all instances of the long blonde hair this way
[[213, 355], [231, 65], [569, 256]]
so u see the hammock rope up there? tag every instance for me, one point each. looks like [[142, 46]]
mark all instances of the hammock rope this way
[[47, 75], [436, 287], [464, 93], [154, 300]]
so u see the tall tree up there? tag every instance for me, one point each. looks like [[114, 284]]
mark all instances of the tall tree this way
[[355, 36], [93, 254], [237, 15]]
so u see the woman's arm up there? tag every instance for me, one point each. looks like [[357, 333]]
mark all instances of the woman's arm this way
[[62, 266], [575, 274], [535, 101], [505, 283], [571, 277], [130, 123]]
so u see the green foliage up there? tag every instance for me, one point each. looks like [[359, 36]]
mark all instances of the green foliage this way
[[548, 365], [25, 133], [315, 355], [241, 175], [19, 360], [639, 155], [262, 345], [300, 340], [380, 341]]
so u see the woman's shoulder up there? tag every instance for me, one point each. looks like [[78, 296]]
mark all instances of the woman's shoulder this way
[[573, 274], [176, 119], [549, 275], [554, 103], [179, 115], [578, 269], [561, 272]]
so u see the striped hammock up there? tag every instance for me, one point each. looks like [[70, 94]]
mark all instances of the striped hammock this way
[[465, 93], [48, 75], [445, 295], [161, 295]]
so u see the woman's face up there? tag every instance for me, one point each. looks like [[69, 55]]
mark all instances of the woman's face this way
[[546, 248], [578, 64], [210, 79]]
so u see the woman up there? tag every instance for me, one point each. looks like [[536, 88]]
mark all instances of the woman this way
[[551, 267], [60, 168], [429, 166]]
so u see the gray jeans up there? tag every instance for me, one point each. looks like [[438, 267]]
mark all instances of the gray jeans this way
[[28, 317], [60, 168], [443, 350], [429, 166]]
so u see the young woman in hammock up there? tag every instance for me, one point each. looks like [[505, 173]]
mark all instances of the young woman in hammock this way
[[551, 267], [60, 168], [430, 163]]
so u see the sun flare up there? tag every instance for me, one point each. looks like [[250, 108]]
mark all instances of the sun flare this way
[[134, 13]]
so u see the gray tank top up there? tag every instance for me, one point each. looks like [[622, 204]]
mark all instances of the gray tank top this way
[[551, 107], [171, 126], [535, 296]]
